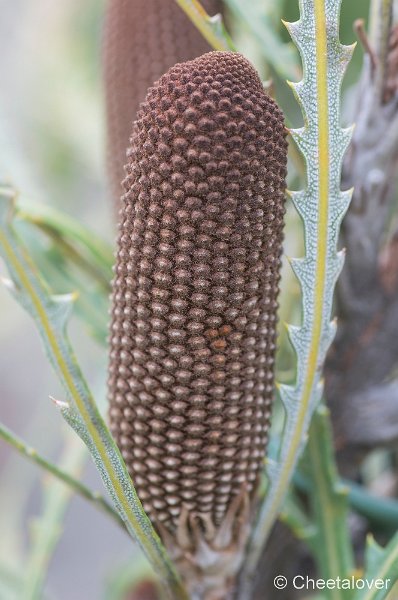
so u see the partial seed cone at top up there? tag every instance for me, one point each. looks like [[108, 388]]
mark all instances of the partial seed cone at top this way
[[142, 39], [195, 302]]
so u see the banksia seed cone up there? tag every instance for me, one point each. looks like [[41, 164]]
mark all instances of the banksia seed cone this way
[[195, 302], [142, 39]]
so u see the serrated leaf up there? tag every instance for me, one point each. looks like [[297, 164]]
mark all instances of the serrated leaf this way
[[380, 564], [83, 411], [321, 206]]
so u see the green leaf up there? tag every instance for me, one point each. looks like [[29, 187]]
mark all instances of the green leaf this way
[[10, 583], [280, 56], [46, 530], [71, 257], [66, 273], [294, 517], [322, 206], [93, 250], [382, 564], [51, 315], [67, 478], [329, 501]]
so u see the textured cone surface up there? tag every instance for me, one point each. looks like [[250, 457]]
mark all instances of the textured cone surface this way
[[195, 288], [142, 39]]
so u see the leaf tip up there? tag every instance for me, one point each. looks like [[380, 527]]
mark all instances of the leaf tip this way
[[65, 298], [61, 404], [9, 284]]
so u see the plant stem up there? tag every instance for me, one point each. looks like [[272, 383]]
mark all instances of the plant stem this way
[[76, 486], [380, 512], [46, 530], [382, 27]]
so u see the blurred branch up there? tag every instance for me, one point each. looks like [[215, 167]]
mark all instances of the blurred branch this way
[[359, 28], [46, 530], [380, 512], [10, 582], [16, 492], [73, 484], [382, 30], [365, 352]]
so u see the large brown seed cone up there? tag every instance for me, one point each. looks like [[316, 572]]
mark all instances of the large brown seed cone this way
[[195, 293], [142, 39]]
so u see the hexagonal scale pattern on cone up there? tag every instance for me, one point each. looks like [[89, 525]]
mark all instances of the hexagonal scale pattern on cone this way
[[195, 291], [142, 39]]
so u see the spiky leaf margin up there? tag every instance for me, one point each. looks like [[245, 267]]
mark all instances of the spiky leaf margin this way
[[51, 315], [322, 206], [382, 564]]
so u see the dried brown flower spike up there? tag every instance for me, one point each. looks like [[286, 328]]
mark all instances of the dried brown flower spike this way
[[142, 39], [194, 308]]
